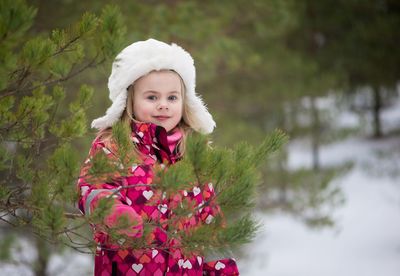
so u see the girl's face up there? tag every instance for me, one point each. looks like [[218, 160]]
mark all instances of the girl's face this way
[[158, 99]]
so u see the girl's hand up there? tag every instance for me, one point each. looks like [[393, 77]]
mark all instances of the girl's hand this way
[[120, 210]]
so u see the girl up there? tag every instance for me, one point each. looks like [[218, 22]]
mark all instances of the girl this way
[[152, 87]]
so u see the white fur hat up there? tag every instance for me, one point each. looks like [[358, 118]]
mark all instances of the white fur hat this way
[[142, 57]]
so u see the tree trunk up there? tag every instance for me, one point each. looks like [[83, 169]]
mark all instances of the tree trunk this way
[[376, 113], [315, 134], [43, 257], [284, 181]]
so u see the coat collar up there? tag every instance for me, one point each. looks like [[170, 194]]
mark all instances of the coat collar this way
[[153, 141]]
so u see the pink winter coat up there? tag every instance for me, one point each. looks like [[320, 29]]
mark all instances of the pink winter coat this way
[[145, 203]]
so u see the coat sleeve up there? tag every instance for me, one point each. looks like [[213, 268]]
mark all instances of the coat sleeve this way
[[91, 193]]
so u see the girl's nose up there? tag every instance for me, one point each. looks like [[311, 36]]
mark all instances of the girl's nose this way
[[162, 105]]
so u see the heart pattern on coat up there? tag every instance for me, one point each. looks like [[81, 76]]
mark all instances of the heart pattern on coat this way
[[180, 262], [209, 219], [154, 253], [159, 259], [219, 265], [163, 208], [196, 191], [137, 267], [187, 264], [139, 172], [147, 194], [134, 139]]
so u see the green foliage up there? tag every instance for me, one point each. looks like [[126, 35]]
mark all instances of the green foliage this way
[[272, 143], [121, 134], [128, 243], [40, 196], [358, 36], [112, 30], [50, 221], [76, 124], [177, 177], [15, 19], [235, 177], [38, 165], [102, 210], [4, 157], [63, 167], [197, 155], [102, 170], [6, 245], [36, 51], [32, 115], [88, 24], [214, 239], [240, 232], [23, 168], [4, 192]]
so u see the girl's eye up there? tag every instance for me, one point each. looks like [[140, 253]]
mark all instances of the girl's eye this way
[[151, 98], [172, 98]]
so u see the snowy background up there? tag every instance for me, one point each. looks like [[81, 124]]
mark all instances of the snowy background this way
[[366, 238]]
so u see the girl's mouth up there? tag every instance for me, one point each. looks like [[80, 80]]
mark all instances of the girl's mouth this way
[[161, 118]]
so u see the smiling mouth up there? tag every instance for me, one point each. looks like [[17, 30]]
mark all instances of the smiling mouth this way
[[161, 118]]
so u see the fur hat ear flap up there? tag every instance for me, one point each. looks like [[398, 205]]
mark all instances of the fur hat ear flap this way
[[202, 119], [113, 113], [139, 59]]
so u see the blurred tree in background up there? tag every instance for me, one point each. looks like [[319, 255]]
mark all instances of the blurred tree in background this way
[[357, 40]]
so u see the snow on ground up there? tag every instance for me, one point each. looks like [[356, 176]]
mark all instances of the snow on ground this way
[[365, 242], [65, 264], [366, 239], [23, 254], [71, 263]]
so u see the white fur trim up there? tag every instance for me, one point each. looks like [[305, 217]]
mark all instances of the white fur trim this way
[[142, 57]]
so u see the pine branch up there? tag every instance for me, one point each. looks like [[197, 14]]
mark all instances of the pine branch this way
[[90, 64]]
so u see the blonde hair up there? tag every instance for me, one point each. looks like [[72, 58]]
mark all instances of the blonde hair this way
[[128, 116]]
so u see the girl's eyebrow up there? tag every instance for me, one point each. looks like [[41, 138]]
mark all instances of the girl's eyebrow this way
[[152, 91]]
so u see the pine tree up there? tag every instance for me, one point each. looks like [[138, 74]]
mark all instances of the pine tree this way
[[38, 165], [357, 41]]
